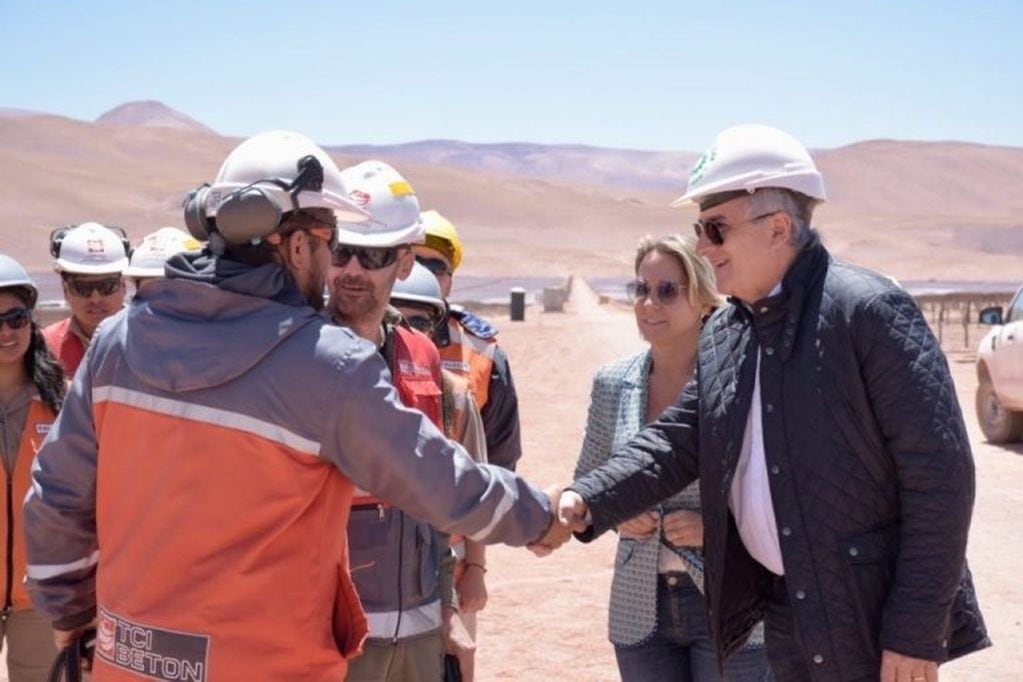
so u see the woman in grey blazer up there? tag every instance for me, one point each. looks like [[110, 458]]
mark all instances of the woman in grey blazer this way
[[658, 621]]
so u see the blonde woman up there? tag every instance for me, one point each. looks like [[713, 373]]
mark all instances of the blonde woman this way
[[658, 622]]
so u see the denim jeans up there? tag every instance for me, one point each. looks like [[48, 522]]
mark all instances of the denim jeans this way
[[681, 648]]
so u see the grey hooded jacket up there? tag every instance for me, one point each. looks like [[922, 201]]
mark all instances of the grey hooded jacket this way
[[222, 338]]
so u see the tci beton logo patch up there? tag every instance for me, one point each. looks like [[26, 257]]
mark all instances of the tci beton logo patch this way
[[153, 652]]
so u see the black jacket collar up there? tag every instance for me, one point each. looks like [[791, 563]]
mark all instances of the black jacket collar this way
[[787, 306]]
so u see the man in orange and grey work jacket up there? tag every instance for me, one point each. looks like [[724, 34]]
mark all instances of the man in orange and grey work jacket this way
[[468, 346], [192, 497]]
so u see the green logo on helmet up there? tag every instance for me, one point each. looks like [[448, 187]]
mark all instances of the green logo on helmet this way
[[701, 166]]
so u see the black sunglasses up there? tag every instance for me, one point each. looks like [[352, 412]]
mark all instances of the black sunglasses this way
[[16, 318], [436, 266], [422, 323], [715, 227], [665, 292], [369, 257], [84, 288]]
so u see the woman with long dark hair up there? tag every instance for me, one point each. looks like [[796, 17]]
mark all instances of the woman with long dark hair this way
[[31, 393]]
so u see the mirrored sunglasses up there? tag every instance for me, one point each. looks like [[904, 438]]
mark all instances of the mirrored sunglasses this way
[[16, 318], [84, 287], [369, 257], [435, 265], [665, 292]]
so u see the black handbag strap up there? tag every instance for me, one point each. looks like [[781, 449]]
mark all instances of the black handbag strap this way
[[67, 667]]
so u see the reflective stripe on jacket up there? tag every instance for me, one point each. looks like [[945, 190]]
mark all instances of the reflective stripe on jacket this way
[[395, 557], [278, 495], [37, 425], [65, 345], [194, 489], [469, 356]]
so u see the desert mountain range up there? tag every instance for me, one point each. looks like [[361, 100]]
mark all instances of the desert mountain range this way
[[916, 210]]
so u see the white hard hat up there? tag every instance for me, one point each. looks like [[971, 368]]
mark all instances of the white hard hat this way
[[751, 157], [13, 275], [261, 179], [148, 257], [89, 249], [392, 205]]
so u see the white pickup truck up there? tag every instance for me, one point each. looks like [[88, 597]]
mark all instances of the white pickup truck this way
[[1000, 373]]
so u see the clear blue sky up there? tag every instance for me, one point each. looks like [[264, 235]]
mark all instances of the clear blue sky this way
[[647, 75]]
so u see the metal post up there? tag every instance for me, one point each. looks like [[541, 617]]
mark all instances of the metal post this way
[[518, 304]]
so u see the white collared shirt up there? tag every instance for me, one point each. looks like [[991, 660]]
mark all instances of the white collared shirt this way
[[750, 498]]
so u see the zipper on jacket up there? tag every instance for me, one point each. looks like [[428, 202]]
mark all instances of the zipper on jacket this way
[[9, 476], [10, 547], [401, 566]]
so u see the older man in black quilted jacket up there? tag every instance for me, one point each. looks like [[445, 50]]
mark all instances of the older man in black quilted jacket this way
[[835, 471]]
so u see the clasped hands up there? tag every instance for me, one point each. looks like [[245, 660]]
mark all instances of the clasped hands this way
[[680, 528], [569, 516]]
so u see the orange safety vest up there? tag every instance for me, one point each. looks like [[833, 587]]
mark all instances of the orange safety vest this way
[[37, 424], [65, 345], [415, 371], [170, 604], [469, 356]]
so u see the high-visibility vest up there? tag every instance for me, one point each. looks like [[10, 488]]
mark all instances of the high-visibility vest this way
[[19, 477], [471, 356], [415, 371]]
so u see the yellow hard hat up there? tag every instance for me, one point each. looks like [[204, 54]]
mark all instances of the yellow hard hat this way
[[441, 236]]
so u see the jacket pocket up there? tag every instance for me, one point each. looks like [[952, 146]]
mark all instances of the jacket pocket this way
[[374, 535], [427, 561], [869, 562], [626, 548], [349, 623]]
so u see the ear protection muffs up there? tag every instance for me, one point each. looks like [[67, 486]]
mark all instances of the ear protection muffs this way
[[125, 242], [249, 213], [57, 238], [194, 208]]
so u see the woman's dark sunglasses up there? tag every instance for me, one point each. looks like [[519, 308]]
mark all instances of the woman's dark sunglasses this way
[[435, 265], [665, 292], [16, 318], [85, 287], [369, 257], [715, 227]]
